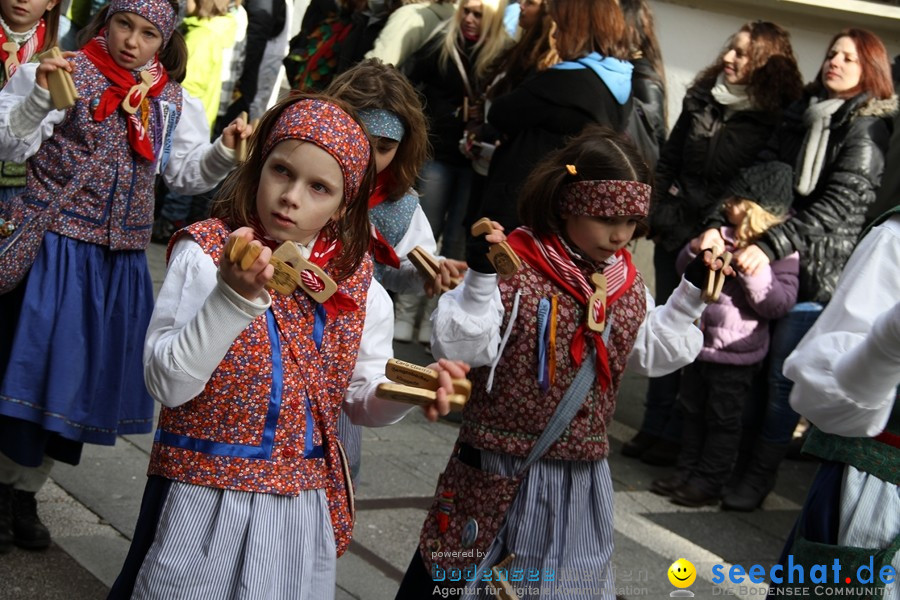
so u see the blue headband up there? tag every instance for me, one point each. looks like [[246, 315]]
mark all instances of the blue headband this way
[[382, 123]]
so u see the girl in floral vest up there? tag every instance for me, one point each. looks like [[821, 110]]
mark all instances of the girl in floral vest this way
[[391, 111], [71, 332], [247, 494], [26, 29], [528, 335]]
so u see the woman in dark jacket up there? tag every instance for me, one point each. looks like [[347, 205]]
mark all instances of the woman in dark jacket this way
[[728, 115], [835, 138], [591, 85]]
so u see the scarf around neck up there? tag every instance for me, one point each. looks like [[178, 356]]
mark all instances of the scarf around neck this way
[[29, 42], [125, 85], [381, 249], [550, 257], [733, 97], [817, 120]]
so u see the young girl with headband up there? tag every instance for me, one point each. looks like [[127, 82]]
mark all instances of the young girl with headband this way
[[246, 493], [71, 330], [391, 111], [543, 341]]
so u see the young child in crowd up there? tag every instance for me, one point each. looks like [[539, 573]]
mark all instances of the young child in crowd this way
[[580, 207], [72, 330], [391, 111], [715, 387], [32, 27], [252, 382]]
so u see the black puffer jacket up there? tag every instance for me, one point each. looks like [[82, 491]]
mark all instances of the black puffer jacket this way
[[826, 224], [703, 153]]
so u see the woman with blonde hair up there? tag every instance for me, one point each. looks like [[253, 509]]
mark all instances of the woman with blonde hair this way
[[452, 72]]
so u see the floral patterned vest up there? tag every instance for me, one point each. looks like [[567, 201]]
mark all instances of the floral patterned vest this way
[[512, 416], [105, 191], [267, 420]]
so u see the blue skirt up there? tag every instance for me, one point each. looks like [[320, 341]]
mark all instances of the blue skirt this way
[[72, 346]]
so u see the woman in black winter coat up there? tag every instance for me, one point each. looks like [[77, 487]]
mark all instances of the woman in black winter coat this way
[[728, 115], [591, 85], [835, 138]]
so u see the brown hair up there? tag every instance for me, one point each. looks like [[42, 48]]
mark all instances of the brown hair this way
[[773, 79], [535, 51], [585, 26], [51, 22], [373, 84], [235, 203], [875, 78], [173, 56], [597, 153]]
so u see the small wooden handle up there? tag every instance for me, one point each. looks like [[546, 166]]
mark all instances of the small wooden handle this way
[[599, 281], [241, 152], [419, 258], [482, 226], [417, 396]]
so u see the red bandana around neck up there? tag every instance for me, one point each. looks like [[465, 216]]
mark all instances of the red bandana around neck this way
[[324, 249], [124, 83], [25, 51], [381, 250], [550, 258]]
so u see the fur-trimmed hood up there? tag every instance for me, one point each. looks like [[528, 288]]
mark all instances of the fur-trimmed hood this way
[[874, 107]]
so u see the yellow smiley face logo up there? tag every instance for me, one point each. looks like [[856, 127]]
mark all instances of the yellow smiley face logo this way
[[682, 573]]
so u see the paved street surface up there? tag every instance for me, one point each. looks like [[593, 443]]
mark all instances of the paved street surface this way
[[91, 511]]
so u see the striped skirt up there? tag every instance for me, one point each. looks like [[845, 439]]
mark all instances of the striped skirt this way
[[194, 542], [560, 525]]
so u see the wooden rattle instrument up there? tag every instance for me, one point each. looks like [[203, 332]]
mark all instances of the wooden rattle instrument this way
[[716, 278], [12, 58], [289, 266], [62, 88], [418, 385], [429, 267], [502, 256]]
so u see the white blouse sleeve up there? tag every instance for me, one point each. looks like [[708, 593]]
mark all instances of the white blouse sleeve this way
[[375, 348], [466, 323], [196, 165], [847, 367], [668, 339], [196, 319], [406, 279], [21, 95]]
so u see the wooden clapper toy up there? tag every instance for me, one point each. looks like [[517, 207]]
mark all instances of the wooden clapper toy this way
[[290, 268], [716, 278], [504, 258], [62, 88], [418, 385], [429, 267]]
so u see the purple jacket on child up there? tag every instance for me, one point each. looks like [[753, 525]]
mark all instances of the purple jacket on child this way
[[736, 327]]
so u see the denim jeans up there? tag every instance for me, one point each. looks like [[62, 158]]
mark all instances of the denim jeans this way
[[780, 419], [444, 191]]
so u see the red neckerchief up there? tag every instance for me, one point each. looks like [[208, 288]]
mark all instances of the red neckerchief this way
[[381, 250], [563, 272], [26, 50], [325, 248], [123, 81]]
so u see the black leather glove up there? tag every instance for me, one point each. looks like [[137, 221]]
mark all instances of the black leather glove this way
[[476, 254], [697, 272]]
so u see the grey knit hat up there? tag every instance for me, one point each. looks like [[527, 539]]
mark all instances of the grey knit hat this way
[[768, 184]]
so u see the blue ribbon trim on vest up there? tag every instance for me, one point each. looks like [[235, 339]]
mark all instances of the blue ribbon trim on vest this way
[[264, 450], [319, 326]]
